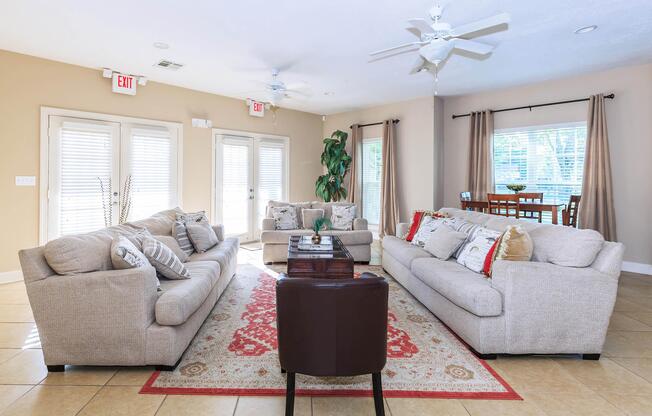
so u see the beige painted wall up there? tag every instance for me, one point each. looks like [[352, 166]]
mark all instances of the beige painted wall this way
[[27, 83], [418, 148], [629, 119]]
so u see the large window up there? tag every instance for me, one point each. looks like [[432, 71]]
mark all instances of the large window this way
[[548, 159], [371, 176]]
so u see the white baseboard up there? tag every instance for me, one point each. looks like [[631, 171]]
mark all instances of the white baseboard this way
[[633, 267], [13, 276]]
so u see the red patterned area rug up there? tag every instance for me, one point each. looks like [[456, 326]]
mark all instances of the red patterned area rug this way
[[235, 352]]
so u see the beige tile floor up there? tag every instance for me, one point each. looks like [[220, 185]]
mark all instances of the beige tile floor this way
[[619, 384]]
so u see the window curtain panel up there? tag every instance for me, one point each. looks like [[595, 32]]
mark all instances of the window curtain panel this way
[[481, 175], [353, 194], [389, 214], [596, 210]]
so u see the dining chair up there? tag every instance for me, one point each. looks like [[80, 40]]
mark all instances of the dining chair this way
[[531, 197], [332, 327], [506, 205], [569, 213]]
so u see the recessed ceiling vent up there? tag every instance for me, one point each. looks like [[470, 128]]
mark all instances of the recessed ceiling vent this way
[[172, 66]]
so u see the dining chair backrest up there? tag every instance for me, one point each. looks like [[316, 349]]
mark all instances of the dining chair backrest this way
[[569, 214], [506, 205], [531, 197]]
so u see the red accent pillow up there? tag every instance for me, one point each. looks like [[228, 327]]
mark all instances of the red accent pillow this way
[[489, 260], [414, 226]]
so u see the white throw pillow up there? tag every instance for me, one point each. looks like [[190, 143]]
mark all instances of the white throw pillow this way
[[202, 236], [342, 217], [125, 255], [285, 218], [475, 251], [444, 241], [426, 228]]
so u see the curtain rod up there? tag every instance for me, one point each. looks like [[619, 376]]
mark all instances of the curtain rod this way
[[375, 124], [579, 100]]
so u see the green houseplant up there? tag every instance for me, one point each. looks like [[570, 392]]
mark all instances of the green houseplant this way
[[320, 223], [330, 186]]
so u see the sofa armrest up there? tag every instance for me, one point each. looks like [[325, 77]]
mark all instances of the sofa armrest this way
[[268, 224], [109, 310], [402, 228], [360, 224], [558, 309], [219, 231]]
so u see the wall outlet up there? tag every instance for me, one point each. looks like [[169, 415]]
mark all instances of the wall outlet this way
[[25, 180]]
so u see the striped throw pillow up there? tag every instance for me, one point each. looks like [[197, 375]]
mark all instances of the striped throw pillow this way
[[180, 232], [164, 260]]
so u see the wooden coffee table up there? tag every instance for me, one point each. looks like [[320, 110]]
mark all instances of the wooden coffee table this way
[[332, 264]]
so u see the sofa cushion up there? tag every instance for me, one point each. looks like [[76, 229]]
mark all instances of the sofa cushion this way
[[403, 251], [164, 260], [281, 236], [125, 255], [298, 206], [444, 241], [80, 253], [202, 236], [173, 245], [565, 246], [342, 217], [181, 298], [308, 217], [328, 207], [159, 223], [222, 253], [285, 218], [466, 289], [352, 238]]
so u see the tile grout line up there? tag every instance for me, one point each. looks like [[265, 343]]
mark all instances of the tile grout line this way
[[89, 400], [161, 404], [235, 408], [19, 397]]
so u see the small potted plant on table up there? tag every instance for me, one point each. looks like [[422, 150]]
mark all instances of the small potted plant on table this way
[[320, 224]]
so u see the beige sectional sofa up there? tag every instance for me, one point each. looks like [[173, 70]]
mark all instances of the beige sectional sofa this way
[[275, 242], [117, 317], [560, 302]]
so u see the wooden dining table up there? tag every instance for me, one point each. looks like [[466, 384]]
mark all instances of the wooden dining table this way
[[532, 206]]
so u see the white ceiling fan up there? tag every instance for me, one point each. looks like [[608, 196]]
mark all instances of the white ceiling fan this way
[[437, 39], [277, 90]]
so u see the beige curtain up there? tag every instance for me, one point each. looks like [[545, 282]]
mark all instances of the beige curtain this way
[[481, 175], [596, 209], [353, 194], [389, 215]]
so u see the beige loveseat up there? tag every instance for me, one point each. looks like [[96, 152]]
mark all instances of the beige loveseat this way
[[275, 242], [117, 317], [560, 302]]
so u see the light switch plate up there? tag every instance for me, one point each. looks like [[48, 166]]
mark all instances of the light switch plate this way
[[25, 180]]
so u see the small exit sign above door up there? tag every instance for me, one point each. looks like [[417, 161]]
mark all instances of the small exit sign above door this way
[[124, 84], [256, 108]]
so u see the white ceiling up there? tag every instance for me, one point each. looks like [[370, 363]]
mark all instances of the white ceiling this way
[[225, 44]]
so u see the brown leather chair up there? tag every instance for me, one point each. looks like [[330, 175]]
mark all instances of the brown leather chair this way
[[332, 327]]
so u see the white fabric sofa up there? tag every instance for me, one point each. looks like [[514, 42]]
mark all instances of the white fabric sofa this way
[[275, 242], [117, 317], [560, 302]]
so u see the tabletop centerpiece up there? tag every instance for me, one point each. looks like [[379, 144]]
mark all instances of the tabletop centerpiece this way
[[516, 187]]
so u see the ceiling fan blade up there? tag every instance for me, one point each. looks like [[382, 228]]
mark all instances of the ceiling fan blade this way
[[422, 25], [405, 45], [472, 46], [483, 24]]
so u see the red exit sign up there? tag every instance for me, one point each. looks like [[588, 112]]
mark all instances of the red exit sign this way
[[124, 84], [256, 108]]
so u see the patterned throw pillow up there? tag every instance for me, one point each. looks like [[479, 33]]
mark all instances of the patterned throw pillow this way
[[179, 229], [125, 255], [462, 226], [417, 217], [173, 245], [285, 218], [137, 237], [164, 260], [342, 217], [202, 236], [426, 228], [475, 251]]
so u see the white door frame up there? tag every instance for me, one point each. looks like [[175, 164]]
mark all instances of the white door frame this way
[[44, 165], [257, 137]]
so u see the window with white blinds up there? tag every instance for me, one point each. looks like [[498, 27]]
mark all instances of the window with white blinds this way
[[86, 154], [548, 159], [270, 175], [371, 177], [104, 172], [152, 175]]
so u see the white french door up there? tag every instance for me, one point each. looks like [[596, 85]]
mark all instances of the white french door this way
[[101, 173], [250, 170]]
